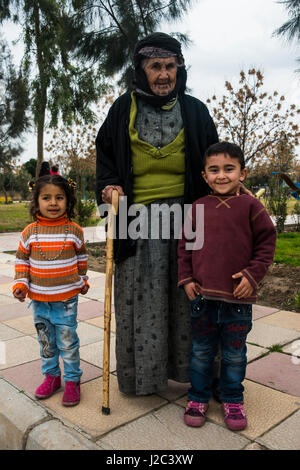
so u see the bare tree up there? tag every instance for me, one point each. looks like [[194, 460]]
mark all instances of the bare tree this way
[[254, 119]]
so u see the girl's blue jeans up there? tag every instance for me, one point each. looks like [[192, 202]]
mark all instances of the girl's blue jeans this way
[[56, 324], [216, 322]]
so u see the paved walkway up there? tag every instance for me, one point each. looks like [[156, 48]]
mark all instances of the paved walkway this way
[[272, 386]]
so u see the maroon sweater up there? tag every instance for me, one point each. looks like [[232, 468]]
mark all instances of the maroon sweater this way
[[239, 235]]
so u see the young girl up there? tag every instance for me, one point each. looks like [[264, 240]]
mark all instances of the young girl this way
[[51, 266]]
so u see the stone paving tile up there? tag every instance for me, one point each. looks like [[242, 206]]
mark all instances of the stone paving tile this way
[[6, 280], [53, 435], [276, 371], [293, 349], [88, 416], [175, 390], [23, 324], [253, 352], [285, 436], [284, 319], [8, 333], [89, 333], [2, 265], [29, 376], [8, 299], [93, 353], [90, 309], [14, 310], [264, 407], [99, 321], [96, 293], [7, 270], [97, 281], [96, 274], [268, 335], [6, 258], [254, 446], [6, 288], [260, 311], [82, 299], [20, 350], [165, 429]]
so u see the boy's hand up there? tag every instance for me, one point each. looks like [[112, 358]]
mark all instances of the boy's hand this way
[[19, 294], [191, 290], [241, 189], [244, 289], [84, 289]]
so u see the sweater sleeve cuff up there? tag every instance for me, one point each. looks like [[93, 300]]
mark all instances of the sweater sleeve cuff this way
[[21, 286], [250, 278], [185, 281]]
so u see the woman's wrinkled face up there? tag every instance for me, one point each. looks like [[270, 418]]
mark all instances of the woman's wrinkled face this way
[[161, 74]]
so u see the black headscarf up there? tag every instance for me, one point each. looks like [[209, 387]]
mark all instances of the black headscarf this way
[[163, 41]]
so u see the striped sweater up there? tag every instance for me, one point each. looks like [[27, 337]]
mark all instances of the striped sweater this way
[[55, 280]]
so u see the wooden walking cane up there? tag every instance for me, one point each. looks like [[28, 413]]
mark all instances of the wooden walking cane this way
[[107, 303]]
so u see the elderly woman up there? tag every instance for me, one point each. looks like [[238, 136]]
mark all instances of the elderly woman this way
[[150, 148]]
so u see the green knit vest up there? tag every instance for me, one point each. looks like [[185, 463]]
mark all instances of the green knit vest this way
[[157, 173]]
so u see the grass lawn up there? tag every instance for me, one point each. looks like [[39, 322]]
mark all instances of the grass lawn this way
[[288, 249], [14, 217]]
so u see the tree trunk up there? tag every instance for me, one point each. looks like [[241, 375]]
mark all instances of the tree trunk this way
[[40, 118], [40, 138]]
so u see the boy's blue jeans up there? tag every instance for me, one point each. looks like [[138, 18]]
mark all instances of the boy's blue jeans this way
[[215, 322], [56, 324]]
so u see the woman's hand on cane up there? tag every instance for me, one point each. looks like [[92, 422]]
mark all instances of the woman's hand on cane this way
[[107, 193]]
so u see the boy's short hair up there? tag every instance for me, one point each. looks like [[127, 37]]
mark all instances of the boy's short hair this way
[[233, 150]]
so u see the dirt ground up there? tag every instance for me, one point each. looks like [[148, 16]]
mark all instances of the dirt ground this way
[[277, 289]]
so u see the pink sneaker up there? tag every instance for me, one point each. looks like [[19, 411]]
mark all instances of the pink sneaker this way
[[195, 413], [48, 387], [235, 416], [71, 396]]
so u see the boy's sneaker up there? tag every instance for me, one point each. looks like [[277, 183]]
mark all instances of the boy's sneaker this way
[[48, 387], [234, 416], [195, 413], [71, 395]]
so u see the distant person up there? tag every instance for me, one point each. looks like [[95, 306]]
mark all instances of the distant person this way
[[45, 271], [45, 169], [221, 279], [54, 170]]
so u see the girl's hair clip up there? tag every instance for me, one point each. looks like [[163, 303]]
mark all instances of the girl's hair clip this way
[[71, 183]]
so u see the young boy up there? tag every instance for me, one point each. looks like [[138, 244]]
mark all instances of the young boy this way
[[221, 281]]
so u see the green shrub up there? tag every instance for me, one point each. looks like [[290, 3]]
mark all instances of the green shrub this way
[[297, 299], [85, 210], [277, 202]]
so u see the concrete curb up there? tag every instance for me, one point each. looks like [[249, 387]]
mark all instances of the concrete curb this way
[[25, 425]]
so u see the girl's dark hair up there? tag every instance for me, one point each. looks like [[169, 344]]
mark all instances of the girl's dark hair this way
[[62, 183], [45, 169], [233, 150]]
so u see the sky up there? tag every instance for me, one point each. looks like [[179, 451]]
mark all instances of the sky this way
[[227, 36]]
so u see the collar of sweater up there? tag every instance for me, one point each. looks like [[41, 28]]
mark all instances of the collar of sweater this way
[[63, 220]]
